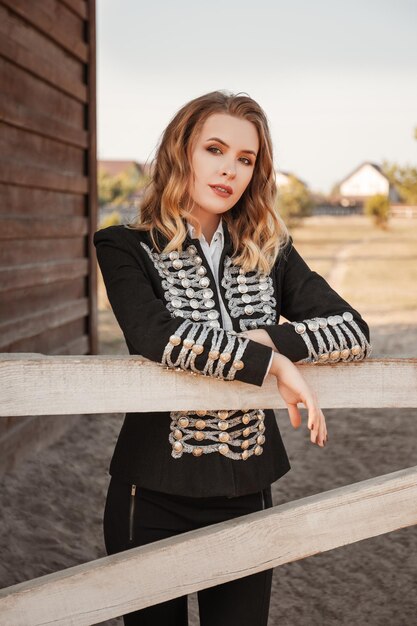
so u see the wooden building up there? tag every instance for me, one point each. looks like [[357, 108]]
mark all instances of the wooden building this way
[[366, 180], [48, 193], [284, 179]]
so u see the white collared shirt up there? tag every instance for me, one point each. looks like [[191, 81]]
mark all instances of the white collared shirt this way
[[212, 252]]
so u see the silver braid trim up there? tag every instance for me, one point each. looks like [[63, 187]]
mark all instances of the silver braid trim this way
[[250, 296], [341, 346], [192, 336], [236, 434]]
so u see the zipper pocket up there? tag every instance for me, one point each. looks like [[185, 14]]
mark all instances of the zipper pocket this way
[[132, 511]]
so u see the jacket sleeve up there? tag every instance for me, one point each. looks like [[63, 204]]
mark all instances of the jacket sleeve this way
[[322, 326], [173, 342]]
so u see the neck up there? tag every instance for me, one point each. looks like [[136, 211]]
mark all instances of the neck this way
[[209, 223]]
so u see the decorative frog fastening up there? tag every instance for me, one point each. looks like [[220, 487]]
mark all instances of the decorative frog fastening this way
[[188, 292], [248, 294], [187, 289]]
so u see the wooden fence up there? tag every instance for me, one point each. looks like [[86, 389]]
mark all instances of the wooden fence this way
[[35, 384]]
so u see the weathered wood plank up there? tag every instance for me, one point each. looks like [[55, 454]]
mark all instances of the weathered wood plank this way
[[74, 24], [79, 345], [50, 317], [45, 69], [36, 203], [36, 384], [15, 252], [78, 6], [54, 20], [34, 150], [45, 228], [19, 174], [16, 27], [53, 340], [92, 200], [32, 299], [143, 576], [23, 87], [27, 118], [42, 273]]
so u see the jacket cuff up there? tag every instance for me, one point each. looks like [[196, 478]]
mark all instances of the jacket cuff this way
[[286, 341], [322, 339], [216, 352], [258, 359], [269, 366]]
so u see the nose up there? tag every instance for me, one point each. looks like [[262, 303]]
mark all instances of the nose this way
[[229, 171]]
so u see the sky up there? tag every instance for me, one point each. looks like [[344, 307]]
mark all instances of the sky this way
[[337, 80]]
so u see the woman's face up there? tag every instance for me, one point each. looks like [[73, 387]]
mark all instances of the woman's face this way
[[224, 155]]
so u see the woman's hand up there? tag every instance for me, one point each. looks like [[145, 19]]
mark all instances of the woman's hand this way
[[293, 388]]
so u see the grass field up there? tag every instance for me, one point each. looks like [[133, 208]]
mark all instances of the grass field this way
[[374, 270]]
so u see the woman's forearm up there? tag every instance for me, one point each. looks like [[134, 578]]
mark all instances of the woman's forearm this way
[[261, 336]]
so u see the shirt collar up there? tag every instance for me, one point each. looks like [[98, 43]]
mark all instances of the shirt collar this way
[[218, 230]]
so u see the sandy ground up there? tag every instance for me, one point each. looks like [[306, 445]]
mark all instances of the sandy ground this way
[[51, 506]]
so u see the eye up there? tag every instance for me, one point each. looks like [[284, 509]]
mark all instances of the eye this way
[[214, 148], [245, 159]]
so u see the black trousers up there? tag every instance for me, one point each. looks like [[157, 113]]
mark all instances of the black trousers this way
[[138, 518]]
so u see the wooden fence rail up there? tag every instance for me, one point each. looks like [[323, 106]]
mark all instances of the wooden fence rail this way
[[35, 384], [143, 576]]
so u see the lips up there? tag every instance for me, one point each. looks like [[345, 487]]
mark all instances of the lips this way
[[225, 187]]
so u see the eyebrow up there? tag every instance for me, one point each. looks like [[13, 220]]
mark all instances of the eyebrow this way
[[225, 144]]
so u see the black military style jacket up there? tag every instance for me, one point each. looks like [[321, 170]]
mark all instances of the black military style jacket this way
[[167, 306]]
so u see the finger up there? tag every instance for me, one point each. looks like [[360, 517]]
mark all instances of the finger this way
[[321, 435], [322, 430], [316, 425], [313, 416], [294, 413], [314, 431], [324, 427]]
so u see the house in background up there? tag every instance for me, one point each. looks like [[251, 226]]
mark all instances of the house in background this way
[[366, 180], [115, 167], [284, 179]]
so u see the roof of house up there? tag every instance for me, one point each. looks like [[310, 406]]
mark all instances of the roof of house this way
[[288, 174], [374, 165], [115, 167]]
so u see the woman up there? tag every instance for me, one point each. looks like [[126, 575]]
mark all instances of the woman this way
[[197, 283]]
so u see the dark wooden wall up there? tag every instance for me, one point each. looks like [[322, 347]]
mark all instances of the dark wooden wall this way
[[48, 209]]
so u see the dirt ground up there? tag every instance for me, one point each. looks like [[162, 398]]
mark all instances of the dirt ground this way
[[51, 506]]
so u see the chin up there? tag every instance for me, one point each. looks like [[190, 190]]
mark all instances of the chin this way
[[217, 210], [211, 207]]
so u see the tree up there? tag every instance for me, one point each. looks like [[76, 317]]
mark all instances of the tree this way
[[404, 179], [294, 201], [117, 189], [104, 187], [377, 207], [110, 220]]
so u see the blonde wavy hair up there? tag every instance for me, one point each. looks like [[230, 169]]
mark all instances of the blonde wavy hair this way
[[257, 230]]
